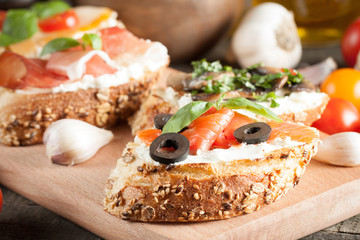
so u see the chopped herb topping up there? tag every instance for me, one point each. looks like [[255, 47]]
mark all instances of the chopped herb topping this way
[[240, 79]]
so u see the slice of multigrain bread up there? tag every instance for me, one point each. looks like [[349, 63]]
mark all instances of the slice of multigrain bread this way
[[140, 189], [24, 117]]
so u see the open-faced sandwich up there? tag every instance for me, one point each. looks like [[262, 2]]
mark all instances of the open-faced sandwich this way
[[284, 91], [60, 62], [208, 162]]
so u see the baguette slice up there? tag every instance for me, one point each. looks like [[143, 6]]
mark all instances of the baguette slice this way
[[24, 117], [304, 107], [140, 189]]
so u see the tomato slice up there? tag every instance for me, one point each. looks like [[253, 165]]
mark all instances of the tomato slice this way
[[2, 18], [60, 21]]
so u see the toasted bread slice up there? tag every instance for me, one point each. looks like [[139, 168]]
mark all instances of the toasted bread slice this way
[[217, 185], [24, 117], [98, 85]]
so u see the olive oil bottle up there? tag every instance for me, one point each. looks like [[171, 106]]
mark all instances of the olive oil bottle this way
[[320, 22]]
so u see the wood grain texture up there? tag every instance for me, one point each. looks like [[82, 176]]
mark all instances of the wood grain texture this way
[[324, 196]]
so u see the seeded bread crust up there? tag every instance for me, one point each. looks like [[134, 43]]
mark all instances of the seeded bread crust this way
[[25, 117], [155, 104], [141, 191]]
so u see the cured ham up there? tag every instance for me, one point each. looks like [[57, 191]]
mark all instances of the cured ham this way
[[74, 64], [117, 41], [18, 72], [119, 48]]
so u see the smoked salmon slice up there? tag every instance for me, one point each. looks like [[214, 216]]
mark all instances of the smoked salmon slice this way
[[226, 139], [149, 135], [204, 130], [215, 129]]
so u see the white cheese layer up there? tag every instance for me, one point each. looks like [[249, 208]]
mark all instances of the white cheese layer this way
[[242, 151], [296, 102]]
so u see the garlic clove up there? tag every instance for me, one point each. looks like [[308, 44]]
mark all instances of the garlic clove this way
[[71, 141], [267, 34], [341, 149], [318, 72]]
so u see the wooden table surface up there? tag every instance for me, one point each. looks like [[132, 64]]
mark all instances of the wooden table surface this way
[[21, 218]]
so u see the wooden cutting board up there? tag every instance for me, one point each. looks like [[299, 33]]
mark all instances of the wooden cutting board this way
[[324, 196]]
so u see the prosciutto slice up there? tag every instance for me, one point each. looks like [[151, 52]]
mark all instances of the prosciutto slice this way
[[18, 72], [74, 64]]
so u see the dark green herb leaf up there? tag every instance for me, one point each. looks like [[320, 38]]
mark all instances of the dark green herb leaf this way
[[243, 103], [186, 115], [93, 40], [59, 44], [47, 9], [19, 25], [293, 78]]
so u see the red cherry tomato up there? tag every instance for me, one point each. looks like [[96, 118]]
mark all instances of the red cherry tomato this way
[[350, 43], [61, 21], [343, 83], [2, 18], [340, 115]]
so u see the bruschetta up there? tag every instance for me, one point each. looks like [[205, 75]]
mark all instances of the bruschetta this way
[[284, 91], [208, 163], [96, 71]]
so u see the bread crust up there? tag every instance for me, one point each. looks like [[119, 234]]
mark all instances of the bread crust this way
[[155, 104], [25, 117], [194, 192]]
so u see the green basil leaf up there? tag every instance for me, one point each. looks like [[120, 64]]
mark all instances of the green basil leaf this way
[[47, 9], [19, 25], [268, 97], [186, 115], [93, 40], [59, 44], [243, 103], [6, 40]]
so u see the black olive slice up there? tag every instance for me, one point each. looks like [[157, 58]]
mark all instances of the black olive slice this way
[[253, 133], [161, 119], [178, 144]]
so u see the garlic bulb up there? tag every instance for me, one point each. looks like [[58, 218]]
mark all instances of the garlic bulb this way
[[318, 72], [71, 141], [267, 34], [340, 149]]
